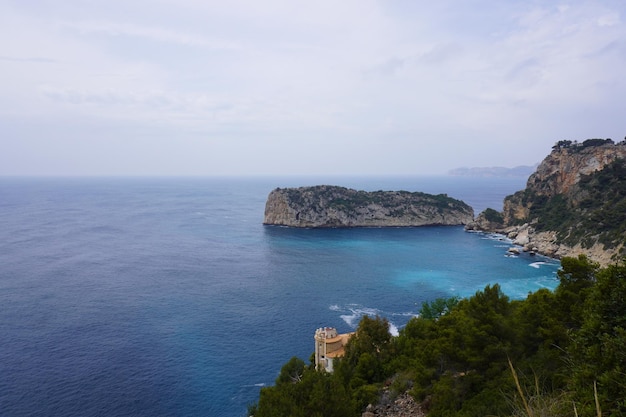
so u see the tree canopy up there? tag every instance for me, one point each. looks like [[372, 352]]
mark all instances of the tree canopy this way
[[481, 355]]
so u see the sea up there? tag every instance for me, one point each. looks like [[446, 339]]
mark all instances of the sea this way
[[169, 297]]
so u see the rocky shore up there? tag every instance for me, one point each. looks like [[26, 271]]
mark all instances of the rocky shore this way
[[526, 239]]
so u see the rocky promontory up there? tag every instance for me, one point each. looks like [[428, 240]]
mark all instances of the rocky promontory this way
[[574, 203], [332, 206]]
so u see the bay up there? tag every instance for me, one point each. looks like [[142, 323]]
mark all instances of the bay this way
[[167, 296]]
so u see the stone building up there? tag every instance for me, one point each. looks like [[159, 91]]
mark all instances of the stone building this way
[[328, 346]]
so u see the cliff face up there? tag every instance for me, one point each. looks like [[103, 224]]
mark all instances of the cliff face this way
[[559, 174], [575, 202], [331, 206]]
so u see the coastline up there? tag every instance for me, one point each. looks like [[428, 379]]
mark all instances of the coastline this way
[[546, 243]]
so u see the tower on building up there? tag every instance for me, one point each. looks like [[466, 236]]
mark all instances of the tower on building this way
[[328, 346]]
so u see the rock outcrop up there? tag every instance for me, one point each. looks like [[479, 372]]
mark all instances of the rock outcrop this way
[[332, 206], [574, 203], [402, 406]]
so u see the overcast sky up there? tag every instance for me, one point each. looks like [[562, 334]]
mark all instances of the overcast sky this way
[[398, 87]]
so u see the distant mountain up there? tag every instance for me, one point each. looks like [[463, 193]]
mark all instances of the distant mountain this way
[[519, 171]]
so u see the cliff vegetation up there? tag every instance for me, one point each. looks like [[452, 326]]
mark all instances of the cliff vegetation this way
[[560, 353], [595, 212]]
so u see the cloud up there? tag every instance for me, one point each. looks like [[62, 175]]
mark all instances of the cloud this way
[[40, 60], [441, 53], [611, 19], [358, 81], [155, 34]]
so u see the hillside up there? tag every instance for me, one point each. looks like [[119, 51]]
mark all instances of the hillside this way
[[575, 202], [332, 206], [556, 353]]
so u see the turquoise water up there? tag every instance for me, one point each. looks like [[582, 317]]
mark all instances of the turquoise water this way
[[167, 296]]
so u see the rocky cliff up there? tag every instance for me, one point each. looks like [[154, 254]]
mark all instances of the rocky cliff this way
[[575, 202], [332, 206]]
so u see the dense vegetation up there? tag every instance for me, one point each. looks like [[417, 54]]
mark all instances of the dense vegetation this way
[[493, 215], [596, 211], [351, 200], [554, 353], [576, 146]]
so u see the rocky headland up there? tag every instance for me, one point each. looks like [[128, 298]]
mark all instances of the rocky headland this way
[[574, 203], [332, 206]]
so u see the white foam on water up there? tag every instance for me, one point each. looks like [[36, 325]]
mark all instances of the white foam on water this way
[[497, 237], [393, 329], [405, 314], [537, 264], [349, 319], [354, 312]]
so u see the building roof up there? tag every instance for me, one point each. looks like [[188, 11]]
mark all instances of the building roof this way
[[336, 353], [338, 338]]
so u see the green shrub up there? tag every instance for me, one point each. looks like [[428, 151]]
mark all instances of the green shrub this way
[[493, 216]]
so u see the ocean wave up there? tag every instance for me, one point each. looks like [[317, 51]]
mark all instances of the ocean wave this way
[[354, 313], [496, 237], [393, 329], [405, 314]]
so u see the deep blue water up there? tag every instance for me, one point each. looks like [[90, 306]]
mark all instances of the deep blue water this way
[[167, 296]]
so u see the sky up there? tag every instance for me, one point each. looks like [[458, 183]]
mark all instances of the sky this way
[[273, 87]]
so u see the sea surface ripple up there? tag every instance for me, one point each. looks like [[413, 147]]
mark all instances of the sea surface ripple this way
[[167, 296]]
